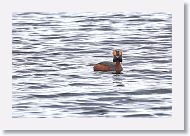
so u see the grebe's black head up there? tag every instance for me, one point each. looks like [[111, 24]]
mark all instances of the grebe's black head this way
[[117, 55]]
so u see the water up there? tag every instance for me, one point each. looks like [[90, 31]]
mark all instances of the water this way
[[53, 54]]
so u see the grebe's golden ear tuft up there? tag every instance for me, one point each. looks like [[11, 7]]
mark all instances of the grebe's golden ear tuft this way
[[114, 52], [120, 52]]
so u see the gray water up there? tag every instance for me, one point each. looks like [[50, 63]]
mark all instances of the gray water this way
[[53, 56]]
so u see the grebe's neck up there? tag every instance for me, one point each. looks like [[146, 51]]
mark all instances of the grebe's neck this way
[[117, 63], [118, 67]]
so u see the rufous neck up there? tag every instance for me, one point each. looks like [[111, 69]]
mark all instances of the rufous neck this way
[[118, 67], [117, 63]]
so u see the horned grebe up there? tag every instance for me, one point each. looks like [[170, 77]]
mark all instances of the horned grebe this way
[[111, 66]]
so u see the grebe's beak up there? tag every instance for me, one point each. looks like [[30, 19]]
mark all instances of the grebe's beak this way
[[117, 55]]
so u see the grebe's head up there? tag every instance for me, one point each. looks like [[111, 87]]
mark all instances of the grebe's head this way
[[117, 55]]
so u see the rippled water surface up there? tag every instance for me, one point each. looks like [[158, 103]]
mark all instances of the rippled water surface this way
[[53, 56]]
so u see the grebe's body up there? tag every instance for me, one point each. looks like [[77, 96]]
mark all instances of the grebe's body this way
[[111, 66]]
